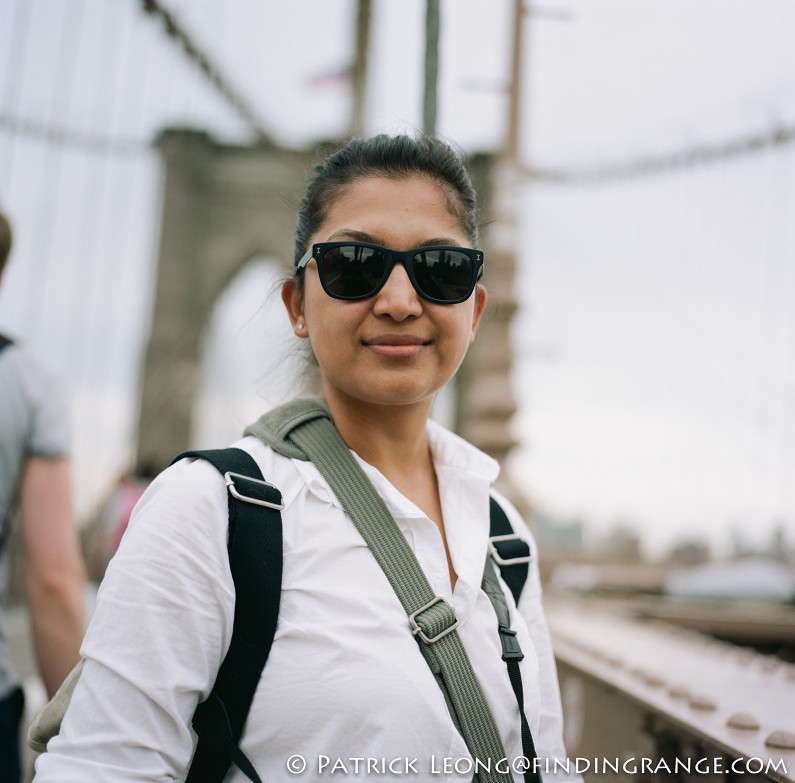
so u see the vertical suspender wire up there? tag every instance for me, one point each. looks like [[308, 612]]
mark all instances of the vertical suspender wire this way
[[123, 363], [730, 180], [92, 204], [749, 340], [668, 357], [713, 359], [711, 316], [99, 272], [50, 176], [752, 277], [645, 270], [764, 377], [785, 424], [691, 340], [688, 333], [617, 235], [19, 32], [94, 350], [670, 189], [781, 421]]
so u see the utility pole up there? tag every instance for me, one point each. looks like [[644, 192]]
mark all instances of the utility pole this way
[[488, 402], [360, 66], [511, 145], [430, 100]]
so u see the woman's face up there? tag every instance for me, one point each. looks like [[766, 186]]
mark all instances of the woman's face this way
[[394, 348]]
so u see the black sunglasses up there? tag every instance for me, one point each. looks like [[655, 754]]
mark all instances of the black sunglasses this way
[[358, 270]]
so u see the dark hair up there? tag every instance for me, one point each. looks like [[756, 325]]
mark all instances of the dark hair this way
[[5, 240], [397, 157]]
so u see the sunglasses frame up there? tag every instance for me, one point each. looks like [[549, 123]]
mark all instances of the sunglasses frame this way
[[405, 257]]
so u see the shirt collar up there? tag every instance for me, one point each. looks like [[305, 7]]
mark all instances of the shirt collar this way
[[452, 455], [452, 451]]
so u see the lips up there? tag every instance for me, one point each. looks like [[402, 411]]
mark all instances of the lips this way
[[397, 345]]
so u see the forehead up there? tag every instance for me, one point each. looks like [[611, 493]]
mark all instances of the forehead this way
[[396, 212]]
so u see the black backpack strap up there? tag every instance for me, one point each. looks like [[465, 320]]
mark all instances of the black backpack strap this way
[[5, 342], [255, 559], [512, 654], [509, 551], [512, 554]]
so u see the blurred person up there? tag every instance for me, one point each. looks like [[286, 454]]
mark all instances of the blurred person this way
[[35, 481], [113, 517], [388, 327]]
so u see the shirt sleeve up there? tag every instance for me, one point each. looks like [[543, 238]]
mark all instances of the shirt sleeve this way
[[50, 431], [162, 625], [549, 742]]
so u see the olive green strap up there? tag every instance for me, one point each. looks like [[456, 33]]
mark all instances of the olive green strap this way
[[307, 425]]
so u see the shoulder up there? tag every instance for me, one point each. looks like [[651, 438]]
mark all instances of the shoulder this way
[[517, 521], [193, 486], [18, 359], [34, 395]]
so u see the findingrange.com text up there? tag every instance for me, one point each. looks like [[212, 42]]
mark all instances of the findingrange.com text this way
[[437, 765]]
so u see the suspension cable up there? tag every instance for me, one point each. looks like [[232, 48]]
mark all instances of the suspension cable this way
[[660, 164], [210, 70], [60, 135], [15, 77]]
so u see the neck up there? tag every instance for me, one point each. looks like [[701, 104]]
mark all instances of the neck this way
[[392, 438]]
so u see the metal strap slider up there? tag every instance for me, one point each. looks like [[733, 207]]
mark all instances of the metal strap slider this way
[[418, 631], [507, 561], [229, 477]]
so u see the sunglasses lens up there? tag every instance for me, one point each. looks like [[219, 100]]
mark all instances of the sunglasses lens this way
[[352, 271], [444, 275]]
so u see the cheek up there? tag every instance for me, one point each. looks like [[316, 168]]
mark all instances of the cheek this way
[[457, 331]]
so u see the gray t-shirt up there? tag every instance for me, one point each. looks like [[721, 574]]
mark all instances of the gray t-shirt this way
[[34, 422]]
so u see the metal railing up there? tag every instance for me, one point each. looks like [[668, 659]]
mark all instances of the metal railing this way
[[644, 697]]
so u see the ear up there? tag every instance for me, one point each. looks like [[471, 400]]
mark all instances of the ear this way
[[481, 297], [293, 298]]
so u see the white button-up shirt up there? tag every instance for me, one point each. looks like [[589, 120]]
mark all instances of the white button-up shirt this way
[[346, 692]]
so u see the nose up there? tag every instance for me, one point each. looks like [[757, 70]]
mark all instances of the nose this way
[[397, 298]]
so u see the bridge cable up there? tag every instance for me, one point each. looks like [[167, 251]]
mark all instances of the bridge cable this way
[[663, 164], [19, 31], [209, 69], [50, 175]]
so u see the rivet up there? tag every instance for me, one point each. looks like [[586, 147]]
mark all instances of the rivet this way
[[742, 720], [653, 680], [781, 739], [678, 692], [702, 703]]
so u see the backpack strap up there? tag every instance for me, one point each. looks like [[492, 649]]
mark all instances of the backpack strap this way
[[512, 655], [508, 550], [255, 559], [5, 342]]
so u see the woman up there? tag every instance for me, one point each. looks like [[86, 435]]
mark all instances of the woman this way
[[345, 681]]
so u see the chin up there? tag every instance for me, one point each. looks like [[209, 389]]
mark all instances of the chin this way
[[392, 394]]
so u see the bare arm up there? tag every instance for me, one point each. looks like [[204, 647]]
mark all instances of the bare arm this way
[[54, 570]]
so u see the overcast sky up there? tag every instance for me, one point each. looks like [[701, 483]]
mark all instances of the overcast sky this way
[[655, 338]]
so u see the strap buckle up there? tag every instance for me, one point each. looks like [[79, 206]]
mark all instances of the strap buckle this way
[[417, 629], [508, 561], [229, 478]]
